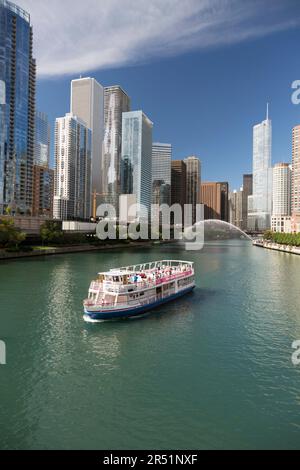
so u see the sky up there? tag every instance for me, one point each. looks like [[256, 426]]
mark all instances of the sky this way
[[202, 70]]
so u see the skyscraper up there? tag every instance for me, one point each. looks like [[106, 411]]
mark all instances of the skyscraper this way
[[282, 175], [295, 203], [161, 173], [282, 180], [116, 102], [236, 208], [247, 191], [17, 109], [43, 191], [136, 164], [260, 203], [178, 184], [87, 103], [296, 171], [42, 140], [72, 187], [193, 182], [214, 197]]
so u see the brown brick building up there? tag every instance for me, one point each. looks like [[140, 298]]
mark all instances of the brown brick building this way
[[214, 196]]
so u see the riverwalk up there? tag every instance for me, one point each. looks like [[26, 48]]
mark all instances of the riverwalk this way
[[277, 247], [63, 250]]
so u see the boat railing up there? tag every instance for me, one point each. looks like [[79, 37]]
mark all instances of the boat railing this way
[[134, 287]]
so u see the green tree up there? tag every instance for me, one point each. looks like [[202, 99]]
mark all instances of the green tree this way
[[10, 236], [51, 232]]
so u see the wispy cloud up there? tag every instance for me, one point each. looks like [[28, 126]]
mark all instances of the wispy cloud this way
[[76, 36]]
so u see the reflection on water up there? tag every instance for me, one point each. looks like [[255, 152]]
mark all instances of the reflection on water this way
[[211, 370]]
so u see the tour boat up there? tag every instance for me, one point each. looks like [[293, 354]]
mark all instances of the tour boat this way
[[135, 290]]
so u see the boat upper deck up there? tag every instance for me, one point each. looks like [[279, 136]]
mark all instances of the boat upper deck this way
[[141, 277]]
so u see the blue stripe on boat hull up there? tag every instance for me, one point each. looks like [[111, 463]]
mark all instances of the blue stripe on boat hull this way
[[129, 313]]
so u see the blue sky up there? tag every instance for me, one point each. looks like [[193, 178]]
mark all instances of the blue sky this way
[[203, 93]]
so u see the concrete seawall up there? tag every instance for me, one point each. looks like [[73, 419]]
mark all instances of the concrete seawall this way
[[4, 256], [277, 247]]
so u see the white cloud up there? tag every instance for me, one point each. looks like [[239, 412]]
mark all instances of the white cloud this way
[[76, 36]]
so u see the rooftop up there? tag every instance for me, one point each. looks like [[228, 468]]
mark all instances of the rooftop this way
[[15, 9]]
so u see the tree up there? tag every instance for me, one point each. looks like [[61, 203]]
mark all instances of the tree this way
[[51, 232], [10, 236]]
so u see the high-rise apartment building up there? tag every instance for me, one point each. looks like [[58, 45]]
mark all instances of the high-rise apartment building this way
[[214, 197], [72, 184], [17, 109], [281, 213], [282, 179], [87, 103], [295, 203], [193, 182], [116, 102], [247, 191], [136, 164], [42, 140], [260, 203], [161, 173]]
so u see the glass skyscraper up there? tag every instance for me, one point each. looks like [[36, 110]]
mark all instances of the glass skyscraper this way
[[116, 102], [42, 140], [136, 164], [260, 203], [17, 109], [161, 173]]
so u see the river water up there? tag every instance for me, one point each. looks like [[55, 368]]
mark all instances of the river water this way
[[212, 370]]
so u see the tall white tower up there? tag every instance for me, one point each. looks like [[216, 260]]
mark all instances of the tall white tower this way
[[72, 182], [260, 203]]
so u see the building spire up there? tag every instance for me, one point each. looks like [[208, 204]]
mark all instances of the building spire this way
[[267, 111]]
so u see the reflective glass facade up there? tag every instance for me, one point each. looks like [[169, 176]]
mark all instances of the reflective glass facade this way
[[17, 110], [260, 203], [116, 102], [161, 173], [136, 164], [42, 140]]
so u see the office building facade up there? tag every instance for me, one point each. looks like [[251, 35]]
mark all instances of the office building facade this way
[[17, 110], [116, 102], [193, 183], [247, 191], [161, 173], [87, 103], [214, 197], [260, 203], [43, 192], [42, 140], [136, 163], [235, 201]]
